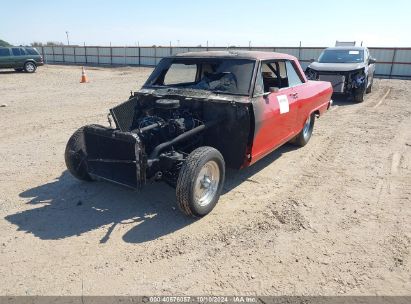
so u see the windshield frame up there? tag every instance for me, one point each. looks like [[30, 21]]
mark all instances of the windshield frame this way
[[361, 54], [165, 63]]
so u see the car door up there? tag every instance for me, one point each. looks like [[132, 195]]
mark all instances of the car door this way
[[6, 60], [18, 59], [274, 107], [300, 99]]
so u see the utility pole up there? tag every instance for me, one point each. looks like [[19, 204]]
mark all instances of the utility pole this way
[[68, 41]]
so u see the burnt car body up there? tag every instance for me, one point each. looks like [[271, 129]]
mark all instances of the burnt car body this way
[[350, 69], [197, 114]]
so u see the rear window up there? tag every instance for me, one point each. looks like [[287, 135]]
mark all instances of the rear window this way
[[32, 52], [4, 52]]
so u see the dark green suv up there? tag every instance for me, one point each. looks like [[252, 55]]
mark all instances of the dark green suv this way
[[20, 58]]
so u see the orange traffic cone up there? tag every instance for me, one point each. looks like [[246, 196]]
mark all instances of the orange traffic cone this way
[[84, 77]]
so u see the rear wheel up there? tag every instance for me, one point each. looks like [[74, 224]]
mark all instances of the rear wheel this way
[[304, 136], [30, 67], [200, 181], [75, 156]]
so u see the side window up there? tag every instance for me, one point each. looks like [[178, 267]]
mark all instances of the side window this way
[[270, 75], [4, 52], [31, 52], [282, 69], [259, 85], [179, 73], [22, 52], [16, 51], [293, 77], [278, 74]]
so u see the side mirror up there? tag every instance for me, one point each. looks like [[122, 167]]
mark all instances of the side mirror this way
[[312, 60], [372, 60]]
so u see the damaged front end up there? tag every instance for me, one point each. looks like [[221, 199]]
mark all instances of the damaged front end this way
[[152, 136], [343, 82], [115, 156]]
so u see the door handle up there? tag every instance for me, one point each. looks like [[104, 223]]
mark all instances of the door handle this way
[[294, 95]]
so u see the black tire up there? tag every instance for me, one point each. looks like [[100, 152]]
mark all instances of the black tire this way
[[305, 134], [187, 181], [75, 155], [30, 67], [359, 95]]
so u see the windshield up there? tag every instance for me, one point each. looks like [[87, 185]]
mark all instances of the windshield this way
[[341, 56], [218, 75]]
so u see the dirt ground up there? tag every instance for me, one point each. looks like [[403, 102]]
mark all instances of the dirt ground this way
[[332, 218]]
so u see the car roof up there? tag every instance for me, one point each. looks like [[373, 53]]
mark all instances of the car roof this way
[[13, 46], [348, 48], [254, 55]]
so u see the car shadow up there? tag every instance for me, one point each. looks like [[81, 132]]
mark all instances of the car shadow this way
[[342, 100], [68, 207], [236, 177], [11, 72]]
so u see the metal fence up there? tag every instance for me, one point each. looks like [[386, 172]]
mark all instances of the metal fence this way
[[392, 62]]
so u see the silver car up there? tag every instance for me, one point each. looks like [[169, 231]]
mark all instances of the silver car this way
[[350, 69]]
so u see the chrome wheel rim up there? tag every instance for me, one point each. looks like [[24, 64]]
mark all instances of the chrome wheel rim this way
[[206, 184], [30, 67], [307, 124]]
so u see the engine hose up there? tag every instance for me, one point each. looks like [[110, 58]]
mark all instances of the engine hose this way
[[154, 154], [149, 127]]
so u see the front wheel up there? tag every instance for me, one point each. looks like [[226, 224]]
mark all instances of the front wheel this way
[[200, 181], [30, 67], [304, 136], [359, 96]]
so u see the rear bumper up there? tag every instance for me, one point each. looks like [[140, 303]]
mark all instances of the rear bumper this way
[[115, 156]]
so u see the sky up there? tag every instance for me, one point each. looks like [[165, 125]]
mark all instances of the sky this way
[[377, 23]]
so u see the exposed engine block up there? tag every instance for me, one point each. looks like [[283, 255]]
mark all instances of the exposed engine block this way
[[165, 121]]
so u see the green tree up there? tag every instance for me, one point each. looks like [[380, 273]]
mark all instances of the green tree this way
[[4, 43]]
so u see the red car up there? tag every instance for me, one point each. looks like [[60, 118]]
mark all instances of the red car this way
[[196, 114]]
